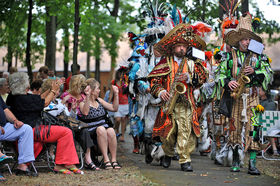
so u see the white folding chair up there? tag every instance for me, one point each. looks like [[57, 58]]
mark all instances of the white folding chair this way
[[269, 120]]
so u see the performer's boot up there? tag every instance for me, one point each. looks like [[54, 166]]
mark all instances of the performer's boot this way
[[136, 145], [186, 167], [236, 161], [148, 146], [166, 161], [252, 164]]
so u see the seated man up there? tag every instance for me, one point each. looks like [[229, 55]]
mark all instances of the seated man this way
[[15, 130]]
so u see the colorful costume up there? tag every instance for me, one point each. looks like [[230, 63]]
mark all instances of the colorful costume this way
[[220, 131], [142, 61], [181, 126], [206, 94], [229, 70]]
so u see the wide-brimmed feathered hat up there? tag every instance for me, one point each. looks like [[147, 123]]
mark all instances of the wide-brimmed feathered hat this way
[[182, 34], [243, 30]]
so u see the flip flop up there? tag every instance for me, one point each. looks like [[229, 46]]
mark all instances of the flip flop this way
[[2, 178], [76, 170], [63, 171], [6, 159]]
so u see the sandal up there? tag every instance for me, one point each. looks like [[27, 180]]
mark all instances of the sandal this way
[[25, 172], [76, 170], [107, 165], [63, 171], [91, 166], [6, 159], [2, 178], [116, 165]]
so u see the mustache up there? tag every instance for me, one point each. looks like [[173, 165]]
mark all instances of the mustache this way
[[180, 53]]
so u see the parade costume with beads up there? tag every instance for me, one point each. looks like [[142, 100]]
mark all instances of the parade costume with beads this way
[[181, 127], [229, 70], [220, 153], [144, 107]]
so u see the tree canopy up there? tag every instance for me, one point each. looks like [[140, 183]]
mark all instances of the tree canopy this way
[[101, 24]]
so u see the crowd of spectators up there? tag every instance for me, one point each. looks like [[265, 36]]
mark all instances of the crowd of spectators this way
[[21, 106]]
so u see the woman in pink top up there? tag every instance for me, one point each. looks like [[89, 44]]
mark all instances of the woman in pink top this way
[[74, 96]]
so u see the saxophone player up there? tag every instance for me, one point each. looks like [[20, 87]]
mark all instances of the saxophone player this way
[[256, 68], [180, 127]]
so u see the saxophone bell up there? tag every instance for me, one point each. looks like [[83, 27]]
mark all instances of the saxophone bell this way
[[180, 88], [245, 79]]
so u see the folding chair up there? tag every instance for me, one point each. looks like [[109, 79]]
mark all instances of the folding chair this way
[[69, 122], [7, 152], [269, 119], [10, 149]]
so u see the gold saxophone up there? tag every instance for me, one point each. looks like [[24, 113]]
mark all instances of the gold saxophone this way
[[242, 79], [176, 89]]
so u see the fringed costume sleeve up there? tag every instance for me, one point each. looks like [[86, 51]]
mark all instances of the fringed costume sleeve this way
[[157, 85]]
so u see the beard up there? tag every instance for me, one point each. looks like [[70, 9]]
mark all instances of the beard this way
[[180, 54]]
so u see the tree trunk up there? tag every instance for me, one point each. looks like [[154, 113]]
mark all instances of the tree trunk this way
[[113, 57], [50, 40], [28, 42], [9, 57], [203, 10], [76, 32], [88, 65], [116, 8], [66, 50], [245, 6], [16, 60], [97, 59], [114, 13]]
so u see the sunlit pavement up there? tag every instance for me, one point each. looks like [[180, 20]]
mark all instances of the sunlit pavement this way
[[205, 171]]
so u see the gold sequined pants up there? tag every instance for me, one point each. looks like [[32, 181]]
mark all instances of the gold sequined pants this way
[[235, 136], [181, 133]]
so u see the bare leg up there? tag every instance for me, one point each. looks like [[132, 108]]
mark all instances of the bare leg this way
[[117, 124], [123, 127], [112, 141], [103, 142], [88, 156], [272, 141]]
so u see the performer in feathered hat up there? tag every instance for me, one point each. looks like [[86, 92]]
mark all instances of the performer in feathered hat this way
[[244, 70], [173, 80], [220, 153], [143, 106]]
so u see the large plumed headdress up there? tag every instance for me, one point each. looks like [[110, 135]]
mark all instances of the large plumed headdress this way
[[243, 30], [186, 34]]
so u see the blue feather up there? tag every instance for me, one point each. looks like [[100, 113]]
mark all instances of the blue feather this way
[[175, 16]]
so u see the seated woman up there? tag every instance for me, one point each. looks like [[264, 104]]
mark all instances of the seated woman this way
[[93, 112], [56, 107], [74, 95], [28, 108]]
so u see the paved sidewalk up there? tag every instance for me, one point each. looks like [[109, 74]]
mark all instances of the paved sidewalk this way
[[205, 172]]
